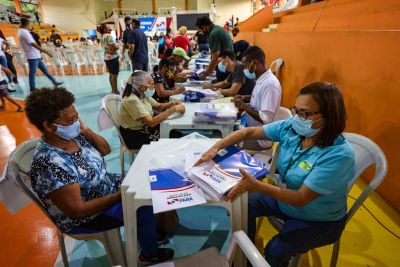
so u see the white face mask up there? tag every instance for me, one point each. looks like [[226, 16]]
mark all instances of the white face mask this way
[[149, 92]]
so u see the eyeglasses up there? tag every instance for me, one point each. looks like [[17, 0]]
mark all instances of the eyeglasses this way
[[302, 114]]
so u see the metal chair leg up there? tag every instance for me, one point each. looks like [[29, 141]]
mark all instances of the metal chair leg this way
[[62, 248], [122, 159], [335, 253]]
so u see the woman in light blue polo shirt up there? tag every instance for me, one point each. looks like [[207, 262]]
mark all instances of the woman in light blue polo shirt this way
[[315, 165]]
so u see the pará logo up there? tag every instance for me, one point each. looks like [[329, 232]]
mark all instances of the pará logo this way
[[179, 200]]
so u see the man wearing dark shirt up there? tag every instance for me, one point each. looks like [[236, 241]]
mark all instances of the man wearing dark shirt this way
[[36, 37], [202, 41], [239, 84], [138, 50], [125, 35], [218, 40], [54, 37]]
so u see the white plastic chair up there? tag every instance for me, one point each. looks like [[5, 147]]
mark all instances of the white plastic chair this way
[[21, 61], [58, 61], [91, 60], [265, 156], [367, 153], [211, 258], [100, 57], [278, 64], [74, 61], [112, 103], [21, 165]]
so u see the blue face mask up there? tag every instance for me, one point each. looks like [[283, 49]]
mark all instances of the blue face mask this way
[[68, 132], [221, 67], [304, 127], [149, 92], [250, 75]]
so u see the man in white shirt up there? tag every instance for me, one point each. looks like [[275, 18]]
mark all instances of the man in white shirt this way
[[32, 52], [262, 107]]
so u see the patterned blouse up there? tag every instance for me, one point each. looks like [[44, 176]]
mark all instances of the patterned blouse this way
[[160, 79], [53, 168]]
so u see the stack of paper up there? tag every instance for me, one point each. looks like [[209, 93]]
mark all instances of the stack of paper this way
[[216, 113], [200, 95], [170, 191], [218, 176]]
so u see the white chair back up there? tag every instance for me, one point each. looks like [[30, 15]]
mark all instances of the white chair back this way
[[367, 153], [276, 66], [20, 58], [112, 105], [284, 113], [21, 161]]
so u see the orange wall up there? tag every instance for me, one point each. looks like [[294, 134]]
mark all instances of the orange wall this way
[[258, 21], [366, 67]]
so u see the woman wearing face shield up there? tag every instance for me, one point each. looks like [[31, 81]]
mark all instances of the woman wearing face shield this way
[[139, 125], [315, 165], [70, 177]]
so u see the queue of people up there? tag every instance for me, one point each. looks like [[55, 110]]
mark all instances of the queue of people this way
[[315, 162]]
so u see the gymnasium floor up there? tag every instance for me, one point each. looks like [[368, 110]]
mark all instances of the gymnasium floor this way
[[28, 238]]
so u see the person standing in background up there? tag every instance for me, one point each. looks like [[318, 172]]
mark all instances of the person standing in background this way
[[36, 37], [218, 39], [3, 58], [54, 37], [32, 52], [138, 49], [10, 64], [169, 41], [110, 56], [202, 41], [182, 40], [125, 35]]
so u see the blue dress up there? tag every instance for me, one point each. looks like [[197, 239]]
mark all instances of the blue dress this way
[[54, 168]]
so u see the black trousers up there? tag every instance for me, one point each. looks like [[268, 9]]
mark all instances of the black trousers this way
[[11, 66]]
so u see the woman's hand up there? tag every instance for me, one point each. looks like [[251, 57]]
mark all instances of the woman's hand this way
[[174, 103], [209, 155], [180, 90], [247, 183], [180, 108], [207, 86], [84, 127]]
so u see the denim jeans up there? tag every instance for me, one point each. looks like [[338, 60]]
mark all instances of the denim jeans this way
[[297, 236], [204, 47], [34, 64], [3, 62]]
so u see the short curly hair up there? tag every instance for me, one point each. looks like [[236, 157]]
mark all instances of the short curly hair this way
[[46, 104]]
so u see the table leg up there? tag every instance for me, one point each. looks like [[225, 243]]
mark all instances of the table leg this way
[[237, 210], [129, 207], [164, 130]]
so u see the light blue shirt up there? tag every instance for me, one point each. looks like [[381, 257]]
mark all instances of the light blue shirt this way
[[326, 171]]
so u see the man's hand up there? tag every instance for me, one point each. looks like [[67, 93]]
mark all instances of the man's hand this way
[[239, 97], [202, 76], [49, 53], [247, 183], [239, 103]]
